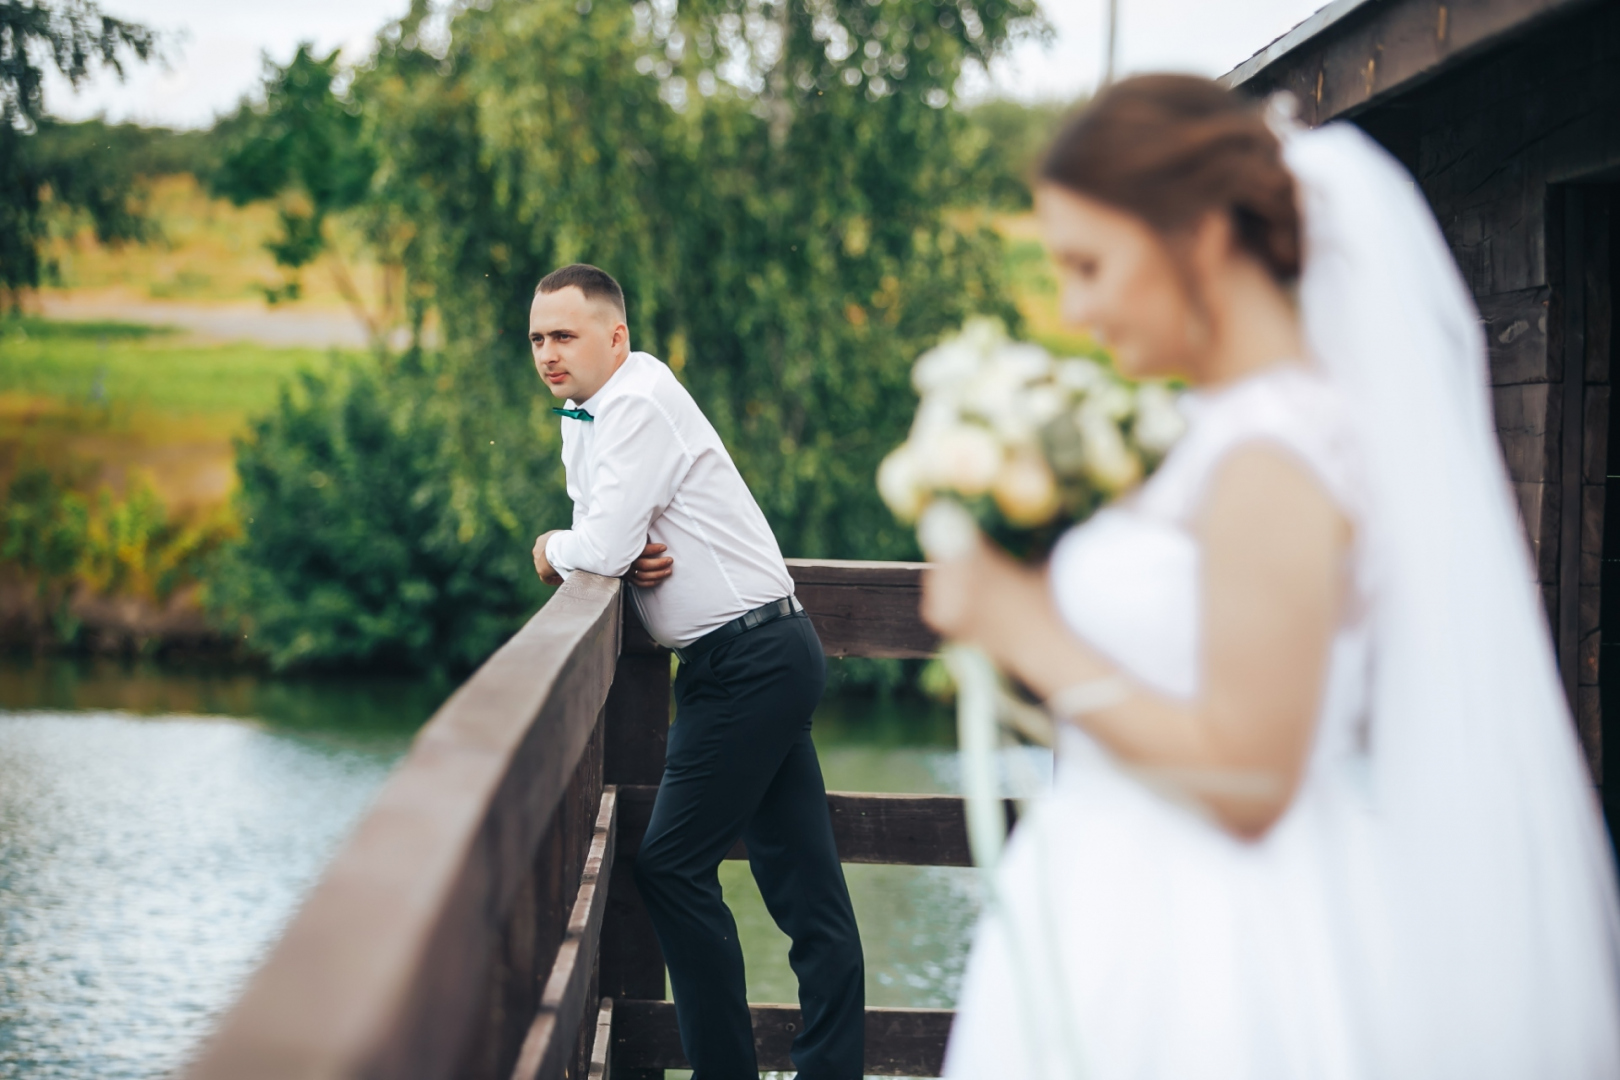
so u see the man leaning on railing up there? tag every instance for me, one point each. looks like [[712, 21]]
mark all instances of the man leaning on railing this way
[[657, 497]]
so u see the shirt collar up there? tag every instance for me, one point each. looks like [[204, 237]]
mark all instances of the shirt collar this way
[[610, 389]]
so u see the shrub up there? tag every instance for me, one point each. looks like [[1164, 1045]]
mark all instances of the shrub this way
[[44, 533], [360, 547], [65, 542]]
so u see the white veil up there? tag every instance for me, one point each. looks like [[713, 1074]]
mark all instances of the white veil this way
[[1488, 925]]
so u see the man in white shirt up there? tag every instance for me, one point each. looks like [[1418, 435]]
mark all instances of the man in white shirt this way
[[658, 499]]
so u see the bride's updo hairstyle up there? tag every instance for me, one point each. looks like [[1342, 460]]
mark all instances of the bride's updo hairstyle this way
[[1168, 149]]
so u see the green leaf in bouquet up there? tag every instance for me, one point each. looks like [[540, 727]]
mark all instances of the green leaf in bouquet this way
[[1064, 449]]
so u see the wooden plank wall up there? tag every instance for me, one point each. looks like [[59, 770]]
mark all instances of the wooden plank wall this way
[[1504, 149], [1506, 111], [1373, 52]]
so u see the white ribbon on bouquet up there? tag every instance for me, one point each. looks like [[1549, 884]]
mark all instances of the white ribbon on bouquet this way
[[947, 531]]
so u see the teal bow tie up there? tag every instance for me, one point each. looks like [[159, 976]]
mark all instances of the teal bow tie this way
[[574, 414]]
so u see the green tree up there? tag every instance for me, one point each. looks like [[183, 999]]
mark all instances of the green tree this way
[[1001, 145], [771, 182], [72, 36], [302, 146], [777, 184], [352, 554]]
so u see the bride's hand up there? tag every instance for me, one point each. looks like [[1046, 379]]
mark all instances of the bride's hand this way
[[975, 598]]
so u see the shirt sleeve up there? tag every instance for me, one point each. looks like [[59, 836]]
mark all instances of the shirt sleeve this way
[[639, 461]]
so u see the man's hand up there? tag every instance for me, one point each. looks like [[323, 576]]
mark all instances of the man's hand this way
[[650, 569], [542, 566]]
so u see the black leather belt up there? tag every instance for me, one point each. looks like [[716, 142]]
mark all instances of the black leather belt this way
[[748, 620]]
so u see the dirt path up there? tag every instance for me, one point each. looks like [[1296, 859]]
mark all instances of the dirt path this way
[[293, 324]]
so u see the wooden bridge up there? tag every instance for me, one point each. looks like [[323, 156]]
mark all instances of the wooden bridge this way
[[483, 921]]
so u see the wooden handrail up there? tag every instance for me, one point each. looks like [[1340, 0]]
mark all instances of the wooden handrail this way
[[893, 830], [485, 901], [865, 608], [390, 969]]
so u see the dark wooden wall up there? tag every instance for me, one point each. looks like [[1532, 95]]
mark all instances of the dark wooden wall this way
[[1508, 114], [1512, 149]]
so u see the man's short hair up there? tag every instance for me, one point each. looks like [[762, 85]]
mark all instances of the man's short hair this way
[[595, 283]]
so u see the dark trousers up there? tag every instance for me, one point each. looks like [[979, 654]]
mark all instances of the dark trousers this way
[[740, 764]]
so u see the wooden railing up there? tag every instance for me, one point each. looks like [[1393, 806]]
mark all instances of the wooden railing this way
[[483, 922]]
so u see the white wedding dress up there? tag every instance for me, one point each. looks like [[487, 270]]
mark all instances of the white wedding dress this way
[[1438, 900]]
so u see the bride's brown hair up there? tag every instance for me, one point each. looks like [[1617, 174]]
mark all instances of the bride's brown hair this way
[[1171, 148]]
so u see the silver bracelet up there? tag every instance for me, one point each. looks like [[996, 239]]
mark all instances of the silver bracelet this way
[[1089, 696]]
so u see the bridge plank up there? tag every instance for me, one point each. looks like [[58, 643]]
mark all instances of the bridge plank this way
[[602, 1043], [865, 608], [903, 830], [554, 1032], [899, 1042], [383, 971]]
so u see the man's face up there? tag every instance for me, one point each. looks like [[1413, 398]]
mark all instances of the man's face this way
[[578, 342]]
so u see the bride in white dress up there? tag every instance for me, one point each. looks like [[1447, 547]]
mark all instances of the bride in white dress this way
[[1319, 810]]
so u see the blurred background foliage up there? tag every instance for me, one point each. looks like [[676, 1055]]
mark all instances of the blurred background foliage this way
[[303, 147], [788, 192], [63, 540], [71, 36]]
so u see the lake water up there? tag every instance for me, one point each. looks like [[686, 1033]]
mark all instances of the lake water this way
[[158, 828]]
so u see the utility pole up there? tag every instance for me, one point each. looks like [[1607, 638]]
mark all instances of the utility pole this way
[[1113, 35]]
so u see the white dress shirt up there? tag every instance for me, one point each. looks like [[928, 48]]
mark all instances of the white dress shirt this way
[[650, 467]]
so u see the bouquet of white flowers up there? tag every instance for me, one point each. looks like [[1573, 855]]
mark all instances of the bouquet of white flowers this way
[[1018, 445], [1027, 444]]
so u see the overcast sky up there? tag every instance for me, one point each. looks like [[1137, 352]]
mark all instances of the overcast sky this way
[[216, 45]]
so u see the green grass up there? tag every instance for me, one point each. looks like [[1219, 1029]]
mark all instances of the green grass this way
[[23, 328], [149, 369]]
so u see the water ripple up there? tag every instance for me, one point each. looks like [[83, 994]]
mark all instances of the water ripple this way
[[146, 865]]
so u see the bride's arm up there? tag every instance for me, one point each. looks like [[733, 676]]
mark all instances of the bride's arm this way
[[1274, 582]]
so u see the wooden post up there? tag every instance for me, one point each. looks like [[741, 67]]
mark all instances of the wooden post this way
[[637, 729]]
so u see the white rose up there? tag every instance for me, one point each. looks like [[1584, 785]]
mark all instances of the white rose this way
[[946, 530], [1026, 491], [964, 458], [943, 368], [983, 334], [1078, 374], [1023, 362], [1111, 399], [1159, 422], [1108, 462], [935, 414], [1008, 378], [1043, 403], [900, 484], [1006, 415], [1018, 417]]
